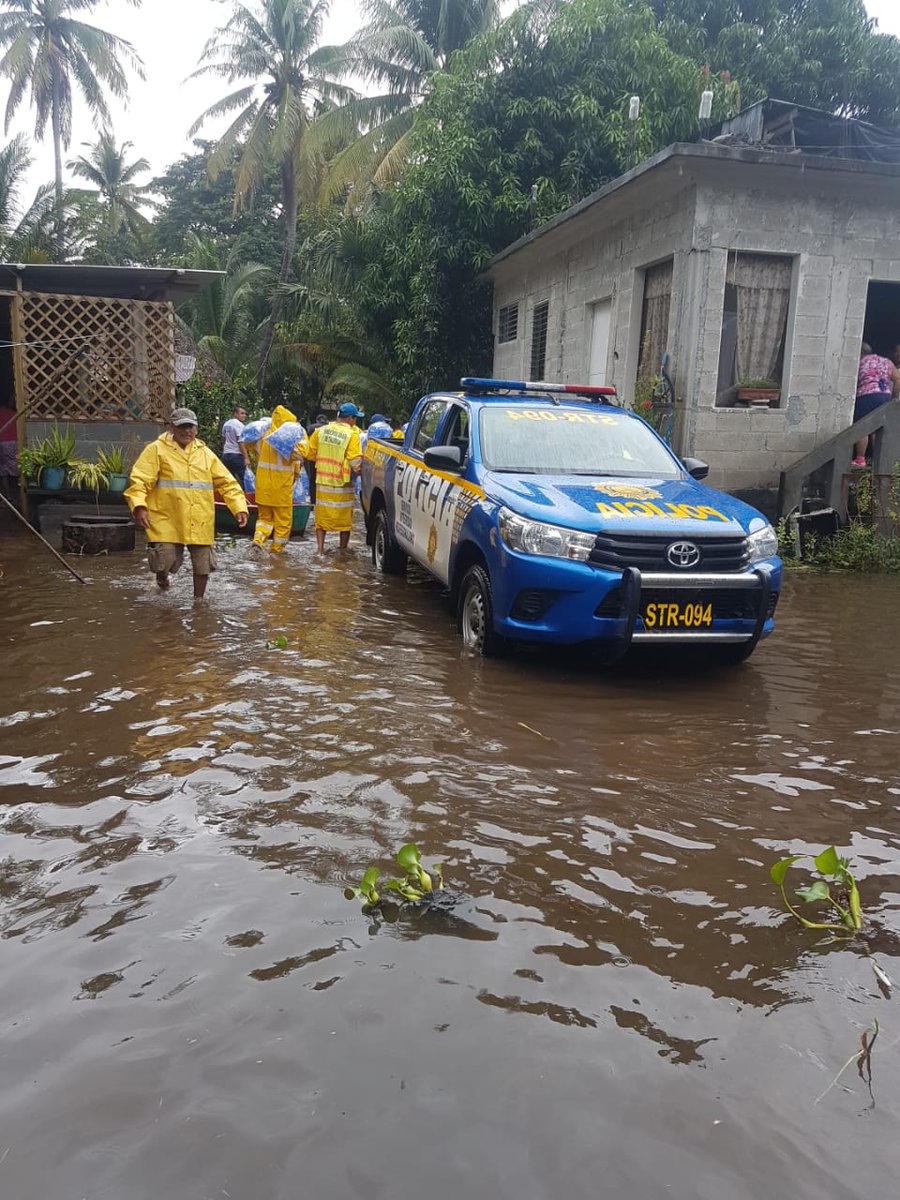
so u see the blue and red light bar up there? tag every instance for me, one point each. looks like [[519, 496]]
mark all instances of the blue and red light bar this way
[[473, 383]]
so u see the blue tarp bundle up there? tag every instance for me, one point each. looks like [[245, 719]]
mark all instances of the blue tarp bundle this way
[[380, 429], [256, 429], [249, 484], [301, 488], [285, 439]]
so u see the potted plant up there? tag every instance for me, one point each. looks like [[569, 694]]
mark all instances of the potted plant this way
[[760, 392], [113, 463], [88, 476], [50, 457]]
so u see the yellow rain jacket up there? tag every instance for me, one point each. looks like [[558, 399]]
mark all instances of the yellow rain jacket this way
[[332, 448], [274, 474], [177, 488]]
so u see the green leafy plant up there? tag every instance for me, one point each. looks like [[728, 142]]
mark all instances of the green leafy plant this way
[[57, 450], [112, 460], [843, 903], [416, 885], [759, 385], [89, 476], [29, 463]]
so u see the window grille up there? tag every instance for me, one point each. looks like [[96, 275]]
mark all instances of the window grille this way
[[539, 321], [508, 323]]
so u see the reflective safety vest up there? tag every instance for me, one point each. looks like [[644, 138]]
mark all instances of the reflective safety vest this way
[[333, 447], [177, 487]]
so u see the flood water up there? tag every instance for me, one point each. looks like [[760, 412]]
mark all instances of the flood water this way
[[190, 1009]]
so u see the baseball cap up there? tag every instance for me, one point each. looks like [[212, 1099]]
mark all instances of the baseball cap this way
[[378, 418], [349, 410], [183, 416]]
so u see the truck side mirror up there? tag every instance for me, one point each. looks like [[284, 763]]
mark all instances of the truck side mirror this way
[[695, 467], [444, 458]]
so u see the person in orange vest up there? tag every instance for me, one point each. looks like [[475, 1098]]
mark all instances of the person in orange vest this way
[[275, 476], [337, 453]]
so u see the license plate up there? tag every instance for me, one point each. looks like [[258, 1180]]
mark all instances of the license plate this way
[[669, 614]]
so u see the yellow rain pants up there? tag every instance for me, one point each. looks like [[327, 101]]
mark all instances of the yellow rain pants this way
[[275, 487], [333, 448], [177, 488]]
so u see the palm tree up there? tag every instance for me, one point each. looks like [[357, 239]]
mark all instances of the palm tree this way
[[24, 236], [118, 198], [270, 44], [46, 49], [220, 319], [402, 45]]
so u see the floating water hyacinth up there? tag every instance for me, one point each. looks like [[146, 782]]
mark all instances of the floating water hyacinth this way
[[285, 439], [277, 643]]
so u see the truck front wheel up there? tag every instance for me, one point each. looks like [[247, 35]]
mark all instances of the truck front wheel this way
[[386, 554], [475, 615]]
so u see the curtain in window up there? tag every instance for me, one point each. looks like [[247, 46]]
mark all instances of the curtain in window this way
[[655, 318], [763, 286]]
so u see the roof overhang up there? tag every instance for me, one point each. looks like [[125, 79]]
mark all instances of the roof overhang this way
[[705, 159], [124, 283]]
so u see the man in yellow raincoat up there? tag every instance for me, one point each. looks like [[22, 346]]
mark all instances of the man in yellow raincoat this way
[[337, 453], [275, 477], [171, 496]]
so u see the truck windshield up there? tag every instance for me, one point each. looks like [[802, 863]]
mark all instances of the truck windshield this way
[[570, 441]]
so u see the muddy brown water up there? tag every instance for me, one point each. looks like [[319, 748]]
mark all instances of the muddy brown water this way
[[189, 1007]]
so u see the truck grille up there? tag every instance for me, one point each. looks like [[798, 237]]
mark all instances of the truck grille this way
[[728, 603], [647, 552]]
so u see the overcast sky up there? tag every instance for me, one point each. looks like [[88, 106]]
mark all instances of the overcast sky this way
[[169, 35]]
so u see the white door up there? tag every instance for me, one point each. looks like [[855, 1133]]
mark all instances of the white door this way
[[600, 315]]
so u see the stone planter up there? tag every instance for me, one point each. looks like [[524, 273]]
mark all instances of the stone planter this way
[[97, 535]]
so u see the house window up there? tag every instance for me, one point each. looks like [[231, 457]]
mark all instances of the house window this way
[[754, 324], [508, 323], [655, 318], [539, 318]]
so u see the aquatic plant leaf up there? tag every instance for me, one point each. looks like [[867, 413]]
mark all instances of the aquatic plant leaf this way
[[780, 869], [828, 862], [855, 905], [408, 856], [369, 879], [817, 891]]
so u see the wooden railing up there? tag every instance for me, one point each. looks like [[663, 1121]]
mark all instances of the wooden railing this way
[[826, 471]]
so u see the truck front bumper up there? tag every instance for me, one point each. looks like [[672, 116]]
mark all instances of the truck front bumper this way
[[562, 602]]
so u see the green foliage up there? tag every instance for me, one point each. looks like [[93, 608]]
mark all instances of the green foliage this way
[[111, 223], [47, 51], [862, 545], [112, 460], [89, 476], [416, 885], [25, 235], [845, 904], [824, 53], [55, 450], [214, 401]]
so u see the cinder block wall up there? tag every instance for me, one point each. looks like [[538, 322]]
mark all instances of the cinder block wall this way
[[91, 435]]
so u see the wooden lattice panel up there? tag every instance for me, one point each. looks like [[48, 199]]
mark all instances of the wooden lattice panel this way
[[87, 358]]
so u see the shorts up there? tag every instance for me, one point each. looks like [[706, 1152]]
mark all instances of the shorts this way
[[9, 453], [168, 557], [868, 403]]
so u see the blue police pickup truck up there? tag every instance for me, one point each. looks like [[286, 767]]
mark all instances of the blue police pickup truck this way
[[554, 516]]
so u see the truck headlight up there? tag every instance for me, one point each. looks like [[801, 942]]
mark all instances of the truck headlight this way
[[762, 544], [551, 541]]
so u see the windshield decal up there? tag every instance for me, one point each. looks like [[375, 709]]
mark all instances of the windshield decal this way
[[563, 415], [672, 512]]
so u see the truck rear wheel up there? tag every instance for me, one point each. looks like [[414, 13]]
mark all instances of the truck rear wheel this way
[[475, 614], [387, 556]]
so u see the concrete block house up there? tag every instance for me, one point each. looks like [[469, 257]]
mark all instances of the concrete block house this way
[[764, 254]]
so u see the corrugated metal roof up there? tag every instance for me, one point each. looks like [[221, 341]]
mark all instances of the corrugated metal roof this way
[[126, 283]]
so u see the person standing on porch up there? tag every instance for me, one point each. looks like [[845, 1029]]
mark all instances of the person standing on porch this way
[[171, 497], [336, 451], [231, 439], [878, 381]]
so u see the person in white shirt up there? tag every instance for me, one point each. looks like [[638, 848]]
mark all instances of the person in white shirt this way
[[232, 455]]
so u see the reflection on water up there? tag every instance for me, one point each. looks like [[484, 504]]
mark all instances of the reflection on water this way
[[190, 1007]]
